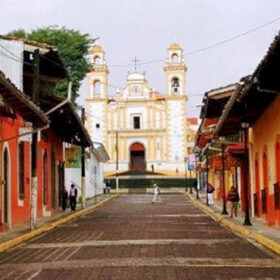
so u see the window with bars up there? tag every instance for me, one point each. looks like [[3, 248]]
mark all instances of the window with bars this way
[[21, 169]]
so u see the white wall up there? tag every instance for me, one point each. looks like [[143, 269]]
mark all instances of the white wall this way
[[94, 176], [176, 131], [97, 111]]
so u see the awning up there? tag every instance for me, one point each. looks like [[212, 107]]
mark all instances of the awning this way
[[100, 152], [13, 100], [251, 99], [65, 122]]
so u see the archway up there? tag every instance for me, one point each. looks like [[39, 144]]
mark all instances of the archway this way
[[137, 157]]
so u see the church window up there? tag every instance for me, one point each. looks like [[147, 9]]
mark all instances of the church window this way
[[96, 88], [97, 60], [136, 122], [174, 58], [175, 85]]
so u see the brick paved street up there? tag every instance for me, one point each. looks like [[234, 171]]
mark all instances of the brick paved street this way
[[129, 238]]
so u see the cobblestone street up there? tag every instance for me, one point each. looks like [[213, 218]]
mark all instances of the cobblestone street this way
[[129, 238]]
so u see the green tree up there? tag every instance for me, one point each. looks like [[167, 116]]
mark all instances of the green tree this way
[[73, 47]]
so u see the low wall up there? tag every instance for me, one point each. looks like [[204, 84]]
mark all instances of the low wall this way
[[128, 183]]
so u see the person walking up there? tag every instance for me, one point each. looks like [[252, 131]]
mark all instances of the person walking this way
[[156, 197], [233, 198], [210, 193], [73, 197], [64, 197]]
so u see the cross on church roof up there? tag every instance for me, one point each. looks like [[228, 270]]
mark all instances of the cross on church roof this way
[[135, 60]]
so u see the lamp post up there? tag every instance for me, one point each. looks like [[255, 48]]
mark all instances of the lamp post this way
[[117, 161], [185, 159], [190, 181], [224, 212], [197, 177], [207, 170], [247, 221]]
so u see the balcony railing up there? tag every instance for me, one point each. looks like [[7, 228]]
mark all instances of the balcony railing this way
[[235, 137]]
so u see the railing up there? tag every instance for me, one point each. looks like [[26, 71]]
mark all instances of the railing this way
[[276, 196], [235, 137], [264, 200], [256, 204]]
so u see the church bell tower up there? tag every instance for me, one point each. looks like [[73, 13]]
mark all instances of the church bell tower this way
[[176, 106], [98, 76], [175, 71], [97, 95]]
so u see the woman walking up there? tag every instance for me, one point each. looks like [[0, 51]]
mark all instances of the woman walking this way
[[233, 198]]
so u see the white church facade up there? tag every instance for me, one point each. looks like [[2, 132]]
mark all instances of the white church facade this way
[[142, 130]]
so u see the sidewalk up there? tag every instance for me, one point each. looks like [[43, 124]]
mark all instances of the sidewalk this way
[[18, 231], [259, 231]]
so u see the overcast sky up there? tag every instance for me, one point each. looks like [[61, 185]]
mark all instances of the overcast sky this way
[[145, 28]]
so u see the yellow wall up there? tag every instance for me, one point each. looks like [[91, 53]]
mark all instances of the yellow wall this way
[[262, 134]]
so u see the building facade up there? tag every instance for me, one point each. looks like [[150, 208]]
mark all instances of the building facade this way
[[142, 129]]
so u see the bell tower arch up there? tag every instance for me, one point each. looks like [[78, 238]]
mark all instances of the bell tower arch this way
[[98, 76], [175, 71]]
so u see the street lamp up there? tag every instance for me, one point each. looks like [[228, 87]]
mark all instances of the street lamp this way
[[186, 174], [247, 221], [191, 183], [207, 177], [197, 176]]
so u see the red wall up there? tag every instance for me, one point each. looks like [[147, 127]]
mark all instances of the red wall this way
[[44, 145], [19, 214]]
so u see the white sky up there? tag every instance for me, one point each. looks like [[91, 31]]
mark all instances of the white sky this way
[[145, 28]]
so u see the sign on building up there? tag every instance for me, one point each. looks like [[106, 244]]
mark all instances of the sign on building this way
[[73, 157]]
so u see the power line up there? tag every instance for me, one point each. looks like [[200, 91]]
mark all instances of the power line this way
[[219, 43]]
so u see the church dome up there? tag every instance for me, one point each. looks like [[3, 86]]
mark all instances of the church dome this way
[[135, 77], [97, 48], [174, 46]]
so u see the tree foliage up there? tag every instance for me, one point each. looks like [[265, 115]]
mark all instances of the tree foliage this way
[[73, 47]]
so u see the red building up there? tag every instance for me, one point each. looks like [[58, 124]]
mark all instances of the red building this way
[[33, 165], [17, 116]]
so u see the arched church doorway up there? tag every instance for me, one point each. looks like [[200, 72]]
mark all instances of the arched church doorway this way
[[137, 157]]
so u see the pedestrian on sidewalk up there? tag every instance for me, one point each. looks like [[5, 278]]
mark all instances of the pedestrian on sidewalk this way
[[109, 185], [64, 197], [73, 197], [210, 193], [233, 198], [156, 197]]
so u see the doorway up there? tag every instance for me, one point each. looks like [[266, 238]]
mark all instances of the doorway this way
[[137, 157]]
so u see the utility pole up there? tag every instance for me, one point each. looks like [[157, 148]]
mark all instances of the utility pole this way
[[117, 161], [83, 183], [224, 212], [247, 221], [34, 183], [207, 177]]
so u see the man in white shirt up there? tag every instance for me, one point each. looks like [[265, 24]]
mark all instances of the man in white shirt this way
[[156, 197], [73, 193]]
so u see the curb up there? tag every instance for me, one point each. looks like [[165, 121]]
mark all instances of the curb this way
[[27, 236], [261, 239], [268, 243]]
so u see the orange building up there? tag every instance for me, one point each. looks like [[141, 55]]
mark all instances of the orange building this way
[[254, 109]]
